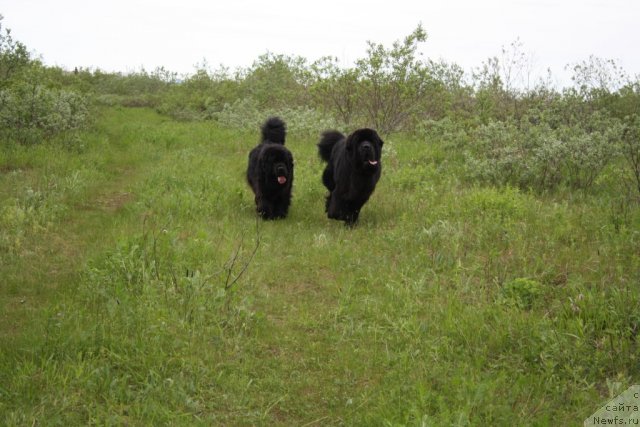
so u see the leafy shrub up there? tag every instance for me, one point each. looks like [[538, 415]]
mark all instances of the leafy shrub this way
[[276, 81], [335, 90], [244, 114], [495, 154], [273, 82], [541, 157], [446, 130], [630, 148], [133, 101], [134, 89], [14, 57], [393, 82], [588, 153], [30, 113], [197, 96], [390, 89]]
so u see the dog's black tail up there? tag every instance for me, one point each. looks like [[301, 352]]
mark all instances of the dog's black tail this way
[[327, 141], [274, 130]]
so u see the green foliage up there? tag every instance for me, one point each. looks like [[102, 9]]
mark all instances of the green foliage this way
[[136, 89], [274, 82], [393, 82], [30, 212], [390, 89], [14, 57], [336, 89], [521, 293], [450, 132], [542, 157], [31, 110], [630, 148], [155, 270], [621, 103], [513, 131], [31, 113], [200, 95], [246, 115], [479, 303], [596, 76], [277, 81]]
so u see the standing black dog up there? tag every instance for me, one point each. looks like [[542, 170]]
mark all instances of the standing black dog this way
[[353, 169], [270, 171]]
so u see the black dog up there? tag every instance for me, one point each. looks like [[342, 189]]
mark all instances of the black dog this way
[[270, 171], [353, 169]]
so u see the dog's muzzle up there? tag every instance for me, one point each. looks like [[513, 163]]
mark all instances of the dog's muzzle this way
[[281, 174], [368, 152]]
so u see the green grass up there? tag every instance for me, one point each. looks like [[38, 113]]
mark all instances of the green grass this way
[[449, 304]]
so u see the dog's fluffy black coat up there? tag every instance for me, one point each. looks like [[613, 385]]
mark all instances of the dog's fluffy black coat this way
[[352, 172], [270, 171]]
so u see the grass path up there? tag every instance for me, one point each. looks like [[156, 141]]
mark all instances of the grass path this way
[[53, 251], [54, 258]]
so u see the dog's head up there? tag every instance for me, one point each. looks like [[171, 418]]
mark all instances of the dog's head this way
[[365, 148], [277, 165]]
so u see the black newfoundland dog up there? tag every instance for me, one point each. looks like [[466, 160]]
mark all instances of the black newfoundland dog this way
[[270, 171], [353, 169]]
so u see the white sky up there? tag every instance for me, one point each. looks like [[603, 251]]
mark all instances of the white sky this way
[[124, 35]]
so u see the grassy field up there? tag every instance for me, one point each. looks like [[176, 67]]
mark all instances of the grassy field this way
[[137, 288]]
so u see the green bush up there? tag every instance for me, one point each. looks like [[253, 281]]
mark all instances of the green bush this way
[[630, 148], [588, 153], [451, 132], [495, 155], [200, 94], [31, 113], [32, 109], [14, 57], [245, 114], [276, 81], [541, 157]]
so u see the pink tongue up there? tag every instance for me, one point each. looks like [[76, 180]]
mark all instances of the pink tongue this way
[[282, 180], [373, 162]]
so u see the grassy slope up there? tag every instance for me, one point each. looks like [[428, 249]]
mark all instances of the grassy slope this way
[[114, 307]]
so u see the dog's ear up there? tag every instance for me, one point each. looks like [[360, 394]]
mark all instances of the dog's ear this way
[[350, 144], [265, 164], [290, 159]]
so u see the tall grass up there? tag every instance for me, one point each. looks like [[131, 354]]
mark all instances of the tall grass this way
[[450, 303]]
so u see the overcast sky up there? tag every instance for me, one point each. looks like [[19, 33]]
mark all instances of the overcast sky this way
[[124, 35]]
